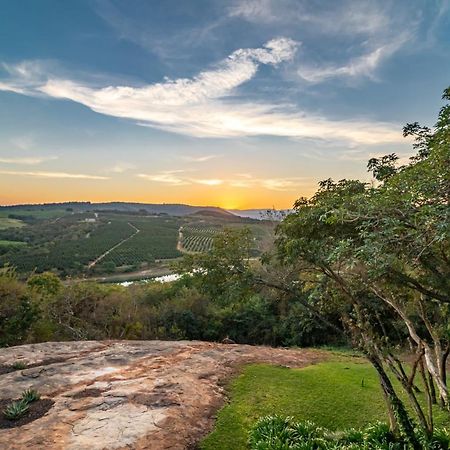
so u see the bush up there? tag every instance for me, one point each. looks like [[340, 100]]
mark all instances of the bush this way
[[283, 433]]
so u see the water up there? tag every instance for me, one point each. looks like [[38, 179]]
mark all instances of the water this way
[[162, 279]]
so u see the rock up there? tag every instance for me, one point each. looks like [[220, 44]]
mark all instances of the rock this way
[[139, 395], [227, 340], [32, 373]]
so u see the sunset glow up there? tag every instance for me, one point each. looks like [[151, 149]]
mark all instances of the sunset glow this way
[[240, 104]]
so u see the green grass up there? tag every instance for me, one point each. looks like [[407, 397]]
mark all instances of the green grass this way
[[337, 394], [12, 243], [5, 222]]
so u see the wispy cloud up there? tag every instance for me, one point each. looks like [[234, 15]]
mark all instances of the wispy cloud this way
[[345, 17], [167, 177], [244, 181], [208, 181], [121, 167], [361, 66], [52, 175], [24, 142], [382, 29], [200, 159], [204, 106], [27, 161]]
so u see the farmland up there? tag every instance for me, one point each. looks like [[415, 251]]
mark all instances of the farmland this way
[[156, 239], [197, 238], [73, 242], [6, 222]]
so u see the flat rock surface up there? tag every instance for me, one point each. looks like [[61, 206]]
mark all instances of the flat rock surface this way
[[127, 394]]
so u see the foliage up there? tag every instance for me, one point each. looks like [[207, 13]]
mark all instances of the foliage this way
[[17, 310], [284, 433], [18, 365], [379, 254], [16, 410], [30, 395]]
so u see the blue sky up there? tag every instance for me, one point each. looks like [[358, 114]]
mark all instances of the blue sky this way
[[244, 103]]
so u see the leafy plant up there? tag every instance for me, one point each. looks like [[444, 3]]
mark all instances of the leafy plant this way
[[16, 410], [30, 395], [282, 433], [19, 365]]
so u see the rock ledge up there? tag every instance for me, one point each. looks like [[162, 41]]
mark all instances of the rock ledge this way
[[127, 394]]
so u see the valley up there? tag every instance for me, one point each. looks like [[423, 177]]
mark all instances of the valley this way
[[126, 241]]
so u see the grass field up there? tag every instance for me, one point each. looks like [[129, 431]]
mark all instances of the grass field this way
[[5, 223], [336, 394]]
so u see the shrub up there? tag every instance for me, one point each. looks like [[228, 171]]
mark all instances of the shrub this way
[[15, 410], [283, 433]]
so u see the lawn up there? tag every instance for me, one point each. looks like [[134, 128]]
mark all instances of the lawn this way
[[337, 394]]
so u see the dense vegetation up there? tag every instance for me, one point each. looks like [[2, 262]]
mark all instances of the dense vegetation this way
[[44, 309]]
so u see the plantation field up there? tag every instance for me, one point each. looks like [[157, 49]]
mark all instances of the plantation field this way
[[12, 243], [72, 251], [90, 243], [40, 214], [6, 222], [156, 239], [198, 238], [337, 394]]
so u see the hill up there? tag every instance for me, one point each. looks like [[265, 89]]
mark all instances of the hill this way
[[171, 209], [215, 213]]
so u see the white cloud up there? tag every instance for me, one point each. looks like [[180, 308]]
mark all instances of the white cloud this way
[[27, 161], [344, 17], [166, 177], [52, 175], [203, 106], [208, 182], [121, 167], [364, 65], [244, 181], [200, 159]]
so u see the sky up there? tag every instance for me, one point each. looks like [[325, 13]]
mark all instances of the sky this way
[[238, 103]]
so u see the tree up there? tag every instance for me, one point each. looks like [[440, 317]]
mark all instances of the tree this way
[[387, 246]]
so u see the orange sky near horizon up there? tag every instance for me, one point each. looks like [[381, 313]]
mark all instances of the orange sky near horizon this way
[[25, 190]]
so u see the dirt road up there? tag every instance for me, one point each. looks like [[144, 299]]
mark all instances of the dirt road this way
[[93, 263]]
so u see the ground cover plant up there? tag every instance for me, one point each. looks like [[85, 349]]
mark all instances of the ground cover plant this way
[[18, 412], [17, 409], [278, 432]]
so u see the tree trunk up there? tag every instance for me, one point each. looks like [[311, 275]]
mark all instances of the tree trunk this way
[[403, 420]]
